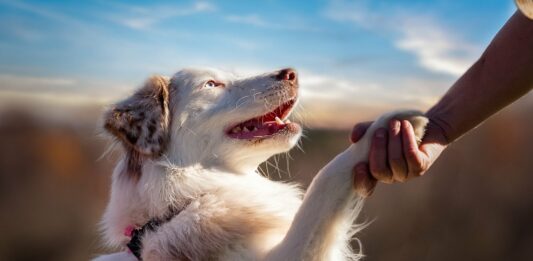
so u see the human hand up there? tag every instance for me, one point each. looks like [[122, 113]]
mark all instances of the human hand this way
[[395, 155]]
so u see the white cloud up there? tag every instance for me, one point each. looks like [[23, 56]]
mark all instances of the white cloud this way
[[60, 90], [37, 10], [10, 97], [327, 102], [9, 81], [436, 48], [241, 43], [142, 18], [332, 102], [251, 19], [295, 23]]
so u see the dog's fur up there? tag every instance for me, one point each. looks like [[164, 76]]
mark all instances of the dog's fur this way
[[178, 155]]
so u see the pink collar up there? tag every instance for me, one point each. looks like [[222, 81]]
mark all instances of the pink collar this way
[[128, 231]]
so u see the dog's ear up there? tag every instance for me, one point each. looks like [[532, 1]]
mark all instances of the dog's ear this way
[[141, 122]]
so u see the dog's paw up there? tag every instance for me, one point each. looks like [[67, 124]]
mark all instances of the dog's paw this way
[[416, 118]]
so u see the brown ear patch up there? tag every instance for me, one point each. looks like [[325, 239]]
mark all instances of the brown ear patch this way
[[141, 121]]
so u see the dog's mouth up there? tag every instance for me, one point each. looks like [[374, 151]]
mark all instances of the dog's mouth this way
[[265, 125]]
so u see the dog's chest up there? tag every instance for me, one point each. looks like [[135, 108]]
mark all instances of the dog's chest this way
[[245, 197], [241, 214]]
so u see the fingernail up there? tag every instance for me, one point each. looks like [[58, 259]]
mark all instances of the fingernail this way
[[395, 126], [360, 169], [380, 133]]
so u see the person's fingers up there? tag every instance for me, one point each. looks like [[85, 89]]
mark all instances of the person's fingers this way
[[364, 183], [379, 166], [415, 159], [359, 131], [397, 162]]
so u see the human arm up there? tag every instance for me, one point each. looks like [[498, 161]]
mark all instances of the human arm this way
[[502, 74]]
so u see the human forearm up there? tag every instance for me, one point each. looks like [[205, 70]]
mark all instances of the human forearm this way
[[502, 74]]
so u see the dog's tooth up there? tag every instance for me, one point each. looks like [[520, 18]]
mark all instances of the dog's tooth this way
[[279, 121], [254, 129], [287, 121], [245, 129], [236, 130]]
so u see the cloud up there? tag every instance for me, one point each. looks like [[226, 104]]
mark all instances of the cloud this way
[[60, 90], [293, 24], [31, 83], [141, 18], [333, 102], [251, 19], [241, 43], [327, 101], [37, 10], [436, 48], [10, 97]]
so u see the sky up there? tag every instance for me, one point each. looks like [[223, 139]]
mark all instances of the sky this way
[[355, 59]]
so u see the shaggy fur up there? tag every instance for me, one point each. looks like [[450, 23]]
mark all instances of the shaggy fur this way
[[178, 155]]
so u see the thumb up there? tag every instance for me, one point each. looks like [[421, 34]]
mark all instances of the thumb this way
[[359, 131], [364, 183]]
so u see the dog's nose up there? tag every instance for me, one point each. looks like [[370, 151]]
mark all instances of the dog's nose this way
[[287, 74]]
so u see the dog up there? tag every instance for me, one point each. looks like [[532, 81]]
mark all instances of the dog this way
[[187, 187]]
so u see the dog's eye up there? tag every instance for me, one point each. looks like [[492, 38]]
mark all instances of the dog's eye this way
[[212, 84]]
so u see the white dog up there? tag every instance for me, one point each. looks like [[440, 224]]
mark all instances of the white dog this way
[[187, 187]]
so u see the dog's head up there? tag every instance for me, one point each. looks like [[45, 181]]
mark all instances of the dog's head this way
[[209, 117]]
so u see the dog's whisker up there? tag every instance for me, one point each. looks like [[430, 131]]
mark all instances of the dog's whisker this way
[[269, 164], [237, 105], [277, 165], [299, 145], [110, 148], [287, 160]]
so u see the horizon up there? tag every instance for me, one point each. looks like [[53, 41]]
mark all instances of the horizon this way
[[352, 56]]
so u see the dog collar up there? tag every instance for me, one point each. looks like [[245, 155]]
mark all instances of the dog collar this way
[[136, 234]]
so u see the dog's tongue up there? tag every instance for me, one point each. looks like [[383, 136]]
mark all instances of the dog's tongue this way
[[257, 130]]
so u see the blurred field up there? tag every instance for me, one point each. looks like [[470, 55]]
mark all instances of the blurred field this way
[[475, 204]]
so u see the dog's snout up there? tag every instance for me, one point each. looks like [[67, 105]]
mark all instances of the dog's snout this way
[[287, 74]]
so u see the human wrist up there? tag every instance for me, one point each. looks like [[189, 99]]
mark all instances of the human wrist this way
[[438, 129]]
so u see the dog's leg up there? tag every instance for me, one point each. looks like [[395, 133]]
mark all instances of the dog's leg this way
[[322, 225]]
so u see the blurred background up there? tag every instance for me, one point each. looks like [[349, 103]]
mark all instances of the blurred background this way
[[62, 62]]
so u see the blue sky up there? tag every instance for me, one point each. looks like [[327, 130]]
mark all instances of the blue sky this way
[[356, 58]]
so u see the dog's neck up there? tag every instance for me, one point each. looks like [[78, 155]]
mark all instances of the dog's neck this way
[[208, 161], [161, 181], [195, 150], [202, 156]]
